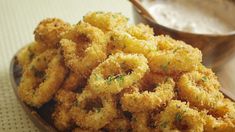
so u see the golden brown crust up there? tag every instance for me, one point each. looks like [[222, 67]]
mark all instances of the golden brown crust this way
[[49, 31], [107, 75]]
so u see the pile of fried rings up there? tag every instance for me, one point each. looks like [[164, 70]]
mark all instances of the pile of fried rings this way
[[107, 75]]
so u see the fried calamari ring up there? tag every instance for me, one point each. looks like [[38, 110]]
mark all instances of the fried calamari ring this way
[[201, 89], [120, 124], [139, 122], [26, 55], [141, 31], [93, 112], [61, 116], [73, 81], [213, 124], [84, 48], [224, 123], [117, 72], [78, 129], [42, 78], [106, 21], [147, 101], [49, 31], [230, 107], [177, 116], [173, 56], [120, 41]]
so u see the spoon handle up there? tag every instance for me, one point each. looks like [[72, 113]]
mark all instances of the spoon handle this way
[[141, 9]]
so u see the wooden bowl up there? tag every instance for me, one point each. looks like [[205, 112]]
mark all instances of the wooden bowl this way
[[216, 49], [42, 117]]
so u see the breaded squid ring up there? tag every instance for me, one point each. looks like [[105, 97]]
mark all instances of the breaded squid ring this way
[[177, 116], [141, 31], [61, 116], [201, 89], [117, 72], [106, 21], [147, 101], [49, 31], [35, 88], [78, 129], [84, 47], [213, 124], [120, 41], [92, 116], [221, 124], [118, 125], [26, 55], [173, 56], [73, 82], [140, 122]]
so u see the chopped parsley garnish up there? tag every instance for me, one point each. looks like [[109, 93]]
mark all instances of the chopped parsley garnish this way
[[152, 125], [176, 49], [119, 78], [179, 116], [114, 16], [120, 130], [77, 103], [97, 110], [204, 78], [164, 124], [165, 66], [134, 119], [97, 77]]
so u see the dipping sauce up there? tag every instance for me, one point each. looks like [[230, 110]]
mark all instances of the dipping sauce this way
[[196, 16]]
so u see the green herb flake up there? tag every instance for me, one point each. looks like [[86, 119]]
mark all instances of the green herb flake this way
[[176, 50], [77, 103], [110, 78], [164, 124], [165, 67], [153, 125], [119, 78], [97, 110], [99, 12], [134, 119], [179, 116], [97, 77], [114, 16], [120, 130], [204, 78]]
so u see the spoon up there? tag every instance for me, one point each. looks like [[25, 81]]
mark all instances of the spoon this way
[[142, 10]]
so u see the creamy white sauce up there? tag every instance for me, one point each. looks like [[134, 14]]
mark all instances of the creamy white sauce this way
[[197, 16]]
